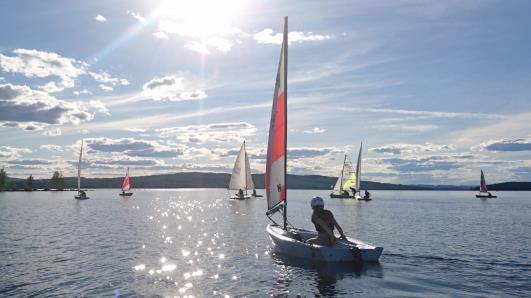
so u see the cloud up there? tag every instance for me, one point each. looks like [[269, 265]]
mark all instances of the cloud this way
[[100, 18], [171, 88], [133, 129], [22, 104], [427, 164], [160, 35], [411, 148], [27, 126], [521, 144], [53, 148], [52, 132], [33, 63], [106, 78], [105, 87], [315, 130], [29, 162], [133, 147], [266, 36], [428, 114], [136, 16], [215, 132], [8, 152], [84, 91], [408, 128]]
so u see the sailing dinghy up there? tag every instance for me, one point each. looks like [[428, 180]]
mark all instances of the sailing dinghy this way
[[241, 179], [483, 191], [290, 240], [81, 194], [126, 185], [344, 181], [367, 196]]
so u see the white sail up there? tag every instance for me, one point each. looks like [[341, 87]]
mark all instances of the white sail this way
[[79, 166], [241, 173], [358, 170], [345, 178]]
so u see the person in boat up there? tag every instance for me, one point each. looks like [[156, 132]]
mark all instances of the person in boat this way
[[345, 192], [367, 194], [240, 193], [81, 193], [488, 192], [353, 191], [254, 192], [325, 223]]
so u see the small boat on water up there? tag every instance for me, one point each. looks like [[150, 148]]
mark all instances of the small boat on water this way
[[345, 180], [290, 240], [81, 194], [483, 191], [367, 195], [241, 178], [126, 185]]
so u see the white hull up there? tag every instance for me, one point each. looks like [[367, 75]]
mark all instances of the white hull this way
[[350, 250], [245, 197]]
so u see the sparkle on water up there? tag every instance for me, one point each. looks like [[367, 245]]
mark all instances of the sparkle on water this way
[[195, 243]]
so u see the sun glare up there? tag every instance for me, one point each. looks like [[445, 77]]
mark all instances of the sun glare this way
[[199, 18]]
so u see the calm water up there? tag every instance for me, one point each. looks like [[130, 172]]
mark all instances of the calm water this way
[[197, 242]]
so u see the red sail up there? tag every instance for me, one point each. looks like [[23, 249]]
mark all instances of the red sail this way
[[482, 184], [126, 185], [276, 147]]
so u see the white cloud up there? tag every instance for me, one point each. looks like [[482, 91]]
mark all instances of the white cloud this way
[[507, 145], [411, 148], [430, 114], [133, 129], [133, 147], [52, 132], [408, 128], [106, 78], [100, 18], [315, 130], [160, 35], [53, 148], [266, 36], [8, 152], [79, 92], [171, 88], [20, 104], [105, 87], [215, 132], [137, 16], [33, 63], [196, 46]]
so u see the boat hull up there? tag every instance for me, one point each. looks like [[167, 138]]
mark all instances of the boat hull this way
[[125, 194], [81, 197], [340, 196], [364, 198], [245, 197], [485, 196], [349, 250]]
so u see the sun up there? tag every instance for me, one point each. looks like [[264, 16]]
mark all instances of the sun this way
[[199, 18]]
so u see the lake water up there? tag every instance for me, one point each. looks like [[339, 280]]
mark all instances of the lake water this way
[[199, 243]]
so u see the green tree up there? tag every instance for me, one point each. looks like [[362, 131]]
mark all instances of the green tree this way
[[29, 182], [3, 179], [58, 180]]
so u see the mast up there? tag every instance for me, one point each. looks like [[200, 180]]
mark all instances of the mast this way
[[286, 118], [245, 161], [358, 170]]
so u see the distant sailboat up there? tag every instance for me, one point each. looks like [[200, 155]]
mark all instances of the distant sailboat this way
[[81, 194], [357, 185], [483, 191], [126, 185], [241, 178], [344, 181]]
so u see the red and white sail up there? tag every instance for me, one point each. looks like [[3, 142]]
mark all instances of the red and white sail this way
[[275, 179], [127, 182], [482, 184]]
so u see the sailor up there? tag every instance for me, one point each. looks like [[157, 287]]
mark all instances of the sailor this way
[[254, 192], [367, 194], [353, 191], [490, 195], [240, 193], [325, 223]]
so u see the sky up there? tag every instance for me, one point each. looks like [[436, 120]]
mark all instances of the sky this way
[[435, 90]]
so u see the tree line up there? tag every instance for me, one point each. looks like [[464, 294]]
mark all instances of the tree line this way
[[58, 181]]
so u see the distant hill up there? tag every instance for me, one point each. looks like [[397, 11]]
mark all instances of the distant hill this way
[[221, 180], [524, 186]]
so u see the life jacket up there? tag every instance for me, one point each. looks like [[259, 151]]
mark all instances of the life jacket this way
[[326, 216]]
